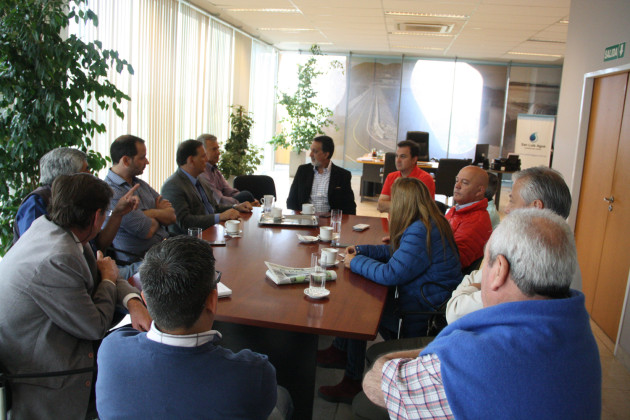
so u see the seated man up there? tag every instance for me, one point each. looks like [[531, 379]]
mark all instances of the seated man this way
[[538, 187], [68, 161], [177, 369], [145, 226], [223, 193], [54, 305], [59, 161], [469, 217], [493, 184], [529, 353], [191, 197], [321, 182], [407, 165]]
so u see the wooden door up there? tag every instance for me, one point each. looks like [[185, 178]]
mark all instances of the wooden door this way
[[599, 232], [615, 256]]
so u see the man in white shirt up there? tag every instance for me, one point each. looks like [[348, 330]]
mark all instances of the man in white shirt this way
[[538, 187]]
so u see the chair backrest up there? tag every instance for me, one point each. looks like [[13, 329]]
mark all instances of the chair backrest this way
[[258, 185], [422, 138], [446, 173], [389, 164]]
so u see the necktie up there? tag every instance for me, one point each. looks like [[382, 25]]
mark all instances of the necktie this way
[[204, 198]]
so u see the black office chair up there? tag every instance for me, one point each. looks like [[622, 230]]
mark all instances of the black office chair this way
[[422, 138], [446, 173], [389, 165], [258, 185]]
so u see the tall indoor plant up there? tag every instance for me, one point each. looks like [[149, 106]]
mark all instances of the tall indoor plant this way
[[45, 82], [239, 157], [305, 118]]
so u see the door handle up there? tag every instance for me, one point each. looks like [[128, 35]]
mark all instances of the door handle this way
[[610, 199]]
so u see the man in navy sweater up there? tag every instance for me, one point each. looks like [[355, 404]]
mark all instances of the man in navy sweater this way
[[177, 369], [528, 354]]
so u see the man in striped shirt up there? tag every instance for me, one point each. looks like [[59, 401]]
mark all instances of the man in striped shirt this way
[[529, 353]]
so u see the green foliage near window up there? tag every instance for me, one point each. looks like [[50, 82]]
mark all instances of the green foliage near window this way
[[46, 82], [306, 118], [239, 157]]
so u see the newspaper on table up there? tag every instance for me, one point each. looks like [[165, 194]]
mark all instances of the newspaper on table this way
[[280, 274]]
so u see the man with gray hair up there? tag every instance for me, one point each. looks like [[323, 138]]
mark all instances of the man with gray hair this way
[[539, 187], [529, 353], [60, 161], [66, 161]]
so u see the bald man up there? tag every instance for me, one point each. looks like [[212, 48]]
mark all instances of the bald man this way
[[469, 217]]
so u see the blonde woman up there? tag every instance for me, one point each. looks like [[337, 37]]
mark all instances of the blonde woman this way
[[422, 249]]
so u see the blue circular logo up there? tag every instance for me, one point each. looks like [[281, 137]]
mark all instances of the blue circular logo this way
[[533, 137]]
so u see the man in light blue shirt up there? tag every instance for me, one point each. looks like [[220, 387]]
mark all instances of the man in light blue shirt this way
[[145, 226]]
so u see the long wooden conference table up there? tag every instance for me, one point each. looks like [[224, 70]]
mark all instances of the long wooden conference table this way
[[281, 321]]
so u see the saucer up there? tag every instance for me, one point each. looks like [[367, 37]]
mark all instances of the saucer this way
[[337, 261], [306, 239], [234, 234], [319, 238], [320, 295]]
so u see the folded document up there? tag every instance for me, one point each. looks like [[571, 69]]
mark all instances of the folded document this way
[[287, 275]]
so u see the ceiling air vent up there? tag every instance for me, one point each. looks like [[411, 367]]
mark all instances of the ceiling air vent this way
[[436, 28]]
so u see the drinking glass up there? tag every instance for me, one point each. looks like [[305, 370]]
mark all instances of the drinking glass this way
[[195, 231], [317, 282]]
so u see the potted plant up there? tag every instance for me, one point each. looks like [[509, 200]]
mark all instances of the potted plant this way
[[45, 81], [305, 118], [239, 157]]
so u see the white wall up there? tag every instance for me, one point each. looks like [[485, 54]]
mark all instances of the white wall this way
[[593, 26]]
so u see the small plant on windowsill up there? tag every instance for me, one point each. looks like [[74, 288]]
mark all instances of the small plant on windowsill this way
[[239, 157], [305, 119]]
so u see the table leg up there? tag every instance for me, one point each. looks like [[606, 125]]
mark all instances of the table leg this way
[[294, 355]]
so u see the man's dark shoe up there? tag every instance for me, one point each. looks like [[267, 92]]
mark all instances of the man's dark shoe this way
[[332, 358], [343, 392]]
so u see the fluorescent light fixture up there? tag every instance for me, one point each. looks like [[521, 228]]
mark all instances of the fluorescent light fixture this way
[[550, 41], [536, 54], [419, 33], [286, 29], [417, 48], [265, 10], [435, 15]]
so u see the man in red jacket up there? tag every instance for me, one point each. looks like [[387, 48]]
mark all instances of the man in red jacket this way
[[469, 217]]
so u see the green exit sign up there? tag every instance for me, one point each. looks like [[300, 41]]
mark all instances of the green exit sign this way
[[614, 52]]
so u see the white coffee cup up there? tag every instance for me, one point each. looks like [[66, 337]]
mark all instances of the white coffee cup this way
[[325, 233], [329, 256], [233, 226], [267, 202], [308, 208], [276, 212]]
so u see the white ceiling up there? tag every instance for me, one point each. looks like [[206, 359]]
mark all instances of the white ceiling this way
[[490, 30]]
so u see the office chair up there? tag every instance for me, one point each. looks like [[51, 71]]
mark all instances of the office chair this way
[[422, 138], [389, 165], [258, 185], [446, 173]]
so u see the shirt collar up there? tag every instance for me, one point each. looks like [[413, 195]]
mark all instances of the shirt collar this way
[[192, 178], [118, 180], [189, 340], [463, 206], [327, 168]]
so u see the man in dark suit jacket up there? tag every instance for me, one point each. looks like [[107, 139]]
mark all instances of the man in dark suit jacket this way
[[321, 182], [191, 196]]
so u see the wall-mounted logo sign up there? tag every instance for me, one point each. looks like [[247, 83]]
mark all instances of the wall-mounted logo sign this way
[[615, 51]]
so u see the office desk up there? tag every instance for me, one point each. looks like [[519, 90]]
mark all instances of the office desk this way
[[371, 182], [281, 321]]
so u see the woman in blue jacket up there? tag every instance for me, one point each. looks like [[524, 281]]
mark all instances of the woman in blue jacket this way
[[422, 249]]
